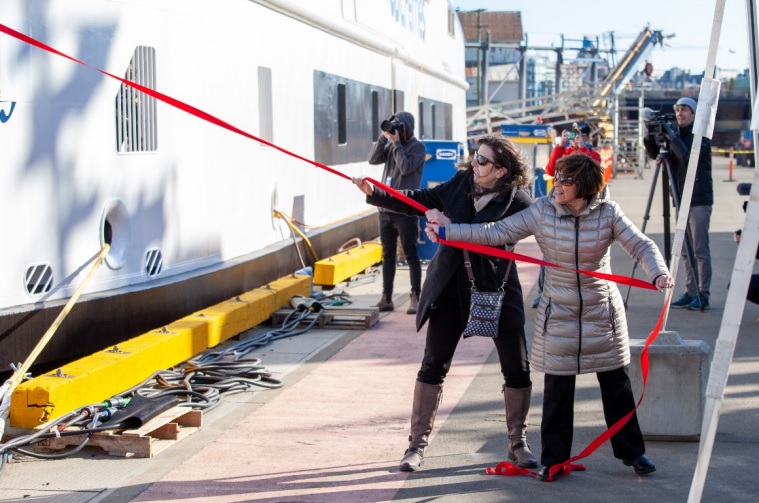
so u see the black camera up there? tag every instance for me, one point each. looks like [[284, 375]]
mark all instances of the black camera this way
[[655, 123], [391, 126]]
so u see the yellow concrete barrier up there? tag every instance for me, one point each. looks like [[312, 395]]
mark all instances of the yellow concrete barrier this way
[[337, 268], [102, 375]]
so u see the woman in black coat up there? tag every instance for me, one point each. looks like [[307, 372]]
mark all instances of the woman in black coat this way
[[488, 189]]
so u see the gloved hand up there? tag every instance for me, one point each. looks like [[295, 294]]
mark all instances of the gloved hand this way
[[668, 132]]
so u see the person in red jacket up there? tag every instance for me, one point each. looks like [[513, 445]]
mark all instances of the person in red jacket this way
[[570, 144]]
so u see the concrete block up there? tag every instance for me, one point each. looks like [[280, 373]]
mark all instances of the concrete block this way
[[678, 370]]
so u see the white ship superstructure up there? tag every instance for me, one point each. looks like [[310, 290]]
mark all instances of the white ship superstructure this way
[[187, 206]]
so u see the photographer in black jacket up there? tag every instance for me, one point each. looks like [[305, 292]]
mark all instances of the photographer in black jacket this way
[[701, 203], [403, 156]]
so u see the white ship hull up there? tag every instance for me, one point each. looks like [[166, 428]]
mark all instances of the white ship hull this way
[[187, 206]]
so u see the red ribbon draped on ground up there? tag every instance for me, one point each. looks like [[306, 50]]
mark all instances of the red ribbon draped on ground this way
[[504, 468]]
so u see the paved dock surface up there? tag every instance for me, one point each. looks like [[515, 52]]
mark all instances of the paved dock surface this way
[[337, 429]]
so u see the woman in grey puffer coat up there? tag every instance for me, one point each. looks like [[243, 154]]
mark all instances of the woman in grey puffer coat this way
[[581, 326]]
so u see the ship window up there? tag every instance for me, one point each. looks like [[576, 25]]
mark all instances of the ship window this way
[[135, 110], [265, 108], [421, 120], [342, 129], [451, 23], [38, 279], [153, 262], [375, 115], [432, 115]]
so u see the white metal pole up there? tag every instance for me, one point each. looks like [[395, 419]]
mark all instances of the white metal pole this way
[[736, 296]]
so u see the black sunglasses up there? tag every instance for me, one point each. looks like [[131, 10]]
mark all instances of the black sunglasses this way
[[482, 160], [565, 181]]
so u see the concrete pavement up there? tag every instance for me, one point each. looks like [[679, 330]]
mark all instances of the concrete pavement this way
[[337, 429]]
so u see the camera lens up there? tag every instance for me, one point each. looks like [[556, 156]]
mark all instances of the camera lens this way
[[390, 126]]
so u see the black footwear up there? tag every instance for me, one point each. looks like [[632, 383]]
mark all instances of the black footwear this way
[[642, 464], [544, 472], [386, 302], [413, 303]]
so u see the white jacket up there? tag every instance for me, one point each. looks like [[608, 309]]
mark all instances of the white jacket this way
[[580, 326]]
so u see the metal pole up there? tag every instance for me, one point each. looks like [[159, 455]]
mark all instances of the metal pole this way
[[615, 158], [641, 133]]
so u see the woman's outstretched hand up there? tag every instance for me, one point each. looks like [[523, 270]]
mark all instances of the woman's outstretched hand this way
[[437, 217], [364, 186], [664, 281], [432, 232]]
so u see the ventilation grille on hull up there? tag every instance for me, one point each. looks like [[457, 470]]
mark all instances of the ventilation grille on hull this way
[[38, 279], [153, 262], [136, 129]]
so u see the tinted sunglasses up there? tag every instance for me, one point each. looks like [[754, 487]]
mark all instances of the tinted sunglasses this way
[[482, 160], [567, 181]]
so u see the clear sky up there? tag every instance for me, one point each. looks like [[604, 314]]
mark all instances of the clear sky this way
[[690, 21]]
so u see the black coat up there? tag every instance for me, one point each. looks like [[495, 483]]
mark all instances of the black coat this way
[[680, 146], [446, 274]]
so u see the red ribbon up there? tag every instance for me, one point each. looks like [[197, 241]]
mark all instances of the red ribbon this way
[[167, 99], [565, 468], [500, 252], [218, 122], [504, 468]]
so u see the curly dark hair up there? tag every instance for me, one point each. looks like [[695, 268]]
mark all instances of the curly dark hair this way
[[587, 173], [506, 155]]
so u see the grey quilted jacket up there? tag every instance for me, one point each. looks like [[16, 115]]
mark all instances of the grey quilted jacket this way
[[580, 326]]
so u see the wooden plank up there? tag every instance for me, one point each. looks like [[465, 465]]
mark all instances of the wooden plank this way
[[153, 437]]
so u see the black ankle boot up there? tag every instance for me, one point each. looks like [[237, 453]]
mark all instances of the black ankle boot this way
[[642, 464], [386, 302]]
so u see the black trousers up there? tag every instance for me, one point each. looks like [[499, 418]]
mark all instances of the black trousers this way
[[444, 330], [558, 416], [392, 226], [753, 289]]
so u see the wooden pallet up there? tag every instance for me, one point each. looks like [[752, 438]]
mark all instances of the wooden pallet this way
[[336, 317], [153, 437]]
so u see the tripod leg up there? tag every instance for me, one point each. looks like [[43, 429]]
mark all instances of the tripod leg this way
[[645, 220]]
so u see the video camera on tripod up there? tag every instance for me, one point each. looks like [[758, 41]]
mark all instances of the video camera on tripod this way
[[659, 125]]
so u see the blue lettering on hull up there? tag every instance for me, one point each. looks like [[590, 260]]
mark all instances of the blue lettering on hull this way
[[5, 117], [409, 14]]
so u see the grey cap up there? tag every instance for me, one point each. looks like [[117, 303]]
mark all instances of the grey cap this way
[[688, 102]]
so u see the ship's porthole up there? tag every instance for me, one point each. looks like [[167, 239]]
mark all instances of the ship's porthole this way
[[153, 262], [38, 279], [115, 230]]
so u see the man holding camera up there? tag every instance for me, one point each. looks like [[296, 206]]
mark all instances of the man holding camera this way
[[403, 156], [696, 297]]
